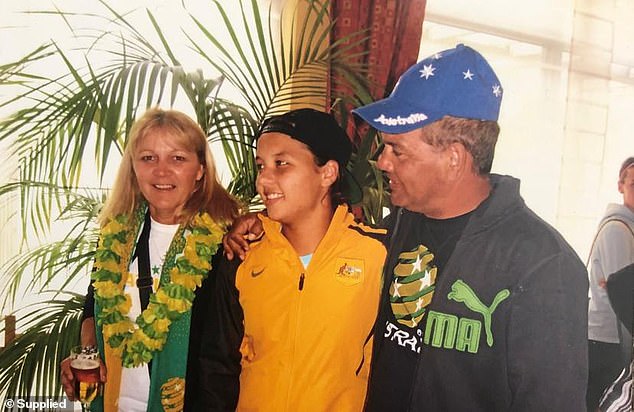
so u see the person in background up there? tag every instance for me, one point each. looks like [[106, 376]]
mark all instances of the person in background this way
[[619, 397], [290, 327], [621, 293], [161, 225], [612, 249]]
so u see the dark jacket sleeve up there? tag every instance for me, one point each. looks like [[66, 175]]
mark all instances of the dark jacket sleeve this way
[[200, 307], [89, 301], [621, 293], [548, 352], [221, 332], [89, 304]]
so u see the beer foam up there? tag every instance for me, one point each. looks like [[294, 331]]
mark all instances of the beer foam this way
[[84, 364]]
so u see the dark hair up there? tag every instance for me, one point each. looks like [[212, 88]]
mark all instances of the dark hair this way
[[323, 136], [477, 136], [629, 162], [337, 189]]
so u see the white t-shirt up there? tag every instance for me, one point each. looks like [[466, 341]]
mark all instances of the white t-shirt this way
[[135, 382]]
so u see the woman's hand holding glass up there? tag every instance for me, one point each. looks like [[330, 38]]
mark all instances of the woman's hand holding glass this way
[[82, 375]]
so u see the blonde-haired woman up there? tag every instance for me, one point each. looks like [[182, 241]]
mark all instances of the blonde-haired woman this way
[[160, 227]]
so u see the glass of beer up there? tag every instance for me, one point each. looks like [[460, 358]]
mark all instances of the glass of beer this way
[[85, 366]]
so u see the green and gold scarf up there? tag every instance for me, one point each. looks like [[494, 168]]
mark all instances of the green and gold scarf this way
[[161, 332]]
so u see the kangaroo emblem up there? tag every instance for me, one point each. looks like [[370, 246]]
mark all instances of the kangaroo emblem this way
[[461, 292]]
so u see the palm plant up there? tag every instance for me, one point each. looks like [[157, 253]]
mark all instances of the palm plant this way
[[85, 114]]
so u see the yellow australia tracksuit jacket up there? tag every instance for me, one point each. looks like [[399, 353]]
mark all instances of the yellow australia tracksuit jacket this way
[[302, 336]]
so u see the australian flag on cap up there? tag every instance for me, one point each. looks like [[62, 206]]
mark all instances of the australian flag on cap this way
[[456, 82]]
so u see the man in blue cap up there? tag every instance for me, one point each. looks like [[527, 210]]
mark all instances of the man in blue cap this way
[[484, 304]]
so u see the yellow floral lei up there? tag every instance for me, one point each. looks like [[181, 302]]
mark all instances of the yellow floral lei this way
[[135, 342]]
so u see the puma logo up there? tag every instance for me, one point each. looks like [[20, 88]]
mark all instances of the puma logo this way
[[461, 292]]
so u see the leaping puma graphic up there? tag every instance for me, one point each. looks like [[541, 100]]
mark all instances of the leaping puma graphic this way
[[461, 292]]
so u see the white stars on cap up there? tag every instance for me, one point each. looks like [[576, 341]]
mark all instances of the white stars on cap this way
[[428, 70], [457, 81]]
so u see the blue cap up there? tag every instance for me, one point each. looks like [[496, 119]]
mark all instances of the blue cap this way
[[456, 82]]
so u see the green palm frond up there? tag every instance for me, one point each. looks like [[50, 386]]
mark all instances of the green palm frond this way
[[363, 167], [235, 128], [61, 261], [273, 71], [30, 364], [13, 74], [68, 259], [72, 202]]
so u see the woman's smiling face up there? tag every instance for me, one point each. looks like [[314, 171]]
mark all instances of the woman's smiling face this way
[[167, 173], [289, 181]]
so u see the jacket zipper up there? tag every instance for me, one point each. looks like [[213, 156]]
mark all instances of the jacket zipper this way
[[376, 343], [291, 370]]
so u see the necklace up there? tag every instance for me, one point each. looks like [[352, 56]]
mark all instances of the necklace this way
[[187, 262]]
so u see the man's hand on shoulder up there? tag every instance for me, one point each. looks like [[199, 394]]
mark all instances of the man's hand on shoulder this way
[[244, 230]]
